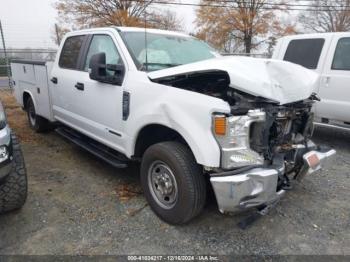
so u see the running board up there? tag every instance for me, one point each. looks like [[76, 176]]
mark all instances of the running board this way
[[108, 155]]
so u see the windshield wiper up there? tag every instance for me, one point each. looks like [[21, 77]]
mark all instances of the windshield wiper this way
[[145, 65]]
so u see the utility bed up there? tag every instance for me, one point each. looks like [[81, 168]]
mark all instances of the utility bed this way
[[31, 76]]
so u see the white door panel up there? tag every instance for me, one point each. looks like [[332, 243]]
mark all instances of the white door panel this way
[[100, 104], [43, 106], [66, 73], [64, 93], [335, 82], [99, 109]]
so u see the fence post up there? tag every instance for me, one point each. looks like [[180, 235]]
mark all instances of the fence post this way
[[58, 39], [6, 57]]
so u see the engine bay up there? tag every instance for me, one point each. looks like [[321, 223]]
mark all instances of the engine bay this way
[[286, 126]]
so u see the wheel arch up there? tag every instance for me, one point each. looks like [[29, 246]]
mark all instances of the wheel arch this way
[[151, 134], [26, 95], [205, 151]]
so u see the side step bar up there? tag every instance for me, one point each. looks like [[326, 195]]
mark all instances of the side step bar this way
[[108, 155]]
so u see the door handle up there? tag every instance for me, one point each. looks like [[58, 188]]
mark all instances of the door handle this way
[[54, 80], [79, 86], [327, 80]]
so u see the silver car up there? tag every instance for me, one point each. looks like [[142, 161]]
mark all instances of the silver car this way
[[13, 175]]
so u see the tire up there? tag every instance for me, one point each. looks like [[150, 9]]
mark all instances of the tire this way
[[173, 162], [13, 189], [37, 123]]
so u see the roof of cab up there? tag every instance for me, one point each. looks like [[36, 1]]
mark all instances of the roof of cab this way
[[317, 35], [150, 30], [131, 29]]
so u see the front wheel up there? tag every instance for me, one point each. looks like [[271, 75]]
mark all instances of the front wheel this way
[[173, 182]]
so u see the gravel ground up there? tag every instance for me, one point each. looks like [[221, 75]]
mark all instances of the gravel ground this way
[[79, 205]]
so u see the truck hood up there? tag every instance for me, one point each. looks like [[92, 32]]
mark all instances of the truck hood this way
[[281, 81]]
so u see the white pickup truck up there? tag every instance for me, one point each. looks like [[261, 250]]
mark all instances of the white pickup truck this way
[[187, 114], [328, 54]]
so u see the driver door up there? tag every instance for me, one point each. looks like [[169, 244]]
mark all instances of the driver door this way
[[99, 105]]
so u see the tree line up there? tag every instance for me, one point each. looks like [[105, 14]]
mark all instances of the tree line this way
[[230, 26]]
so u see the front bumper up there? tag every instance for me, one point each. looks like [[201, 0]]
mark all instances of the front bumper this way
[[258, 186], [6, 149]]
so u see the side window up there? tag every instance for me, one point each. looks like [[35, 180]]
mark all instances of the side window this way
[[70, 52], [103, 44], [305, 52], [341, 60]]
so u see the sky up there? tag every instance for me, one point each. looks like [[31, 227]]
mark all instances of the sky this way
[[30, 23]]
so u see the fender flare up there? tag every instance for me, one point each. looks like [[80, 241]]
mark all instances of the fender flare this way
[[194, 145], [31, 96]]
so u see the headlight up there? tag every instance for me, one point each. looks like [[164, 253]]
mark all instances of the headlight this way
[[4, 153], [234, 142], [3, 120]]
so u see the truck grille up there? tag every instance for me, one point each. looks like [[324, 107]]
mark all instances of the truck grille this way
[[284, 127]]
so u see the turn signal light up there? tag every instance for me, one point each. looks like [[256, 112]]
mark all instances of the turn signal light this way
[[220, 125]]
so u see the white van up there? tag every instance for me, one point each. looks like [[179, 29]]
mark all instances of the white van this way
[[329, 55]]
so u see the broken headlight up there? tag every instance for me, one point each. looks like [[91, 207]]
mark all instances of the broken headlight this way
[[3, 121], [4, 153], [235, 142]]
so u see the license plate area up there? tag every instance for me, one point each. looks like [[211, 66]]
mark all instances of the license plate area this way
[[313, 160]]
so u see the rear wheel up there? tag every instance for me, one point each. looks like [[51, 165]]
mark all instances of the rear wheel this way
[[173, 182], [13, 188], [37, 123]]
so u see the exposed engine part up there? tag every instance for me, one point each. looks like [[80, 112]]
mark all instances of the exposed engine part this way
[[285, 126], [212, 83], [277, 137]]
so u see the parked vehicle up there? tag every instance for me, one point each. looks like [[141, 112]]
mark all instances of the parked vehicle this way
[[13, 175], [329, 55], [183, 111]]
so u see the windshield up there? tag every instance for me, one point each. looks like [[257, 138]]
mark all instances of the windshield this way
[[164, 51]]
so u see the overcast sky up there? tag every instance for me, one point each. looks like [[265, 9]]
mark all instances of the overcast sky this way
[[30, 23]]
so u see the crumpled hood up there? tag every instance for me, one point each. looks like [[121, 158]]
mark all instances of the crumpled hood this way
[[277, 80]]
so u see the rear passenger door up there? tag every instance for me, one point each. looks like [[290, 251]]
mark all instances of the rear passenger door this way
[[335, 81], [64, 77]]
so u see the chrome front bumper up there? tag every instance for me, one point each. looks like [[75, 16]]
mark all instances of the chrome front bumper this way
[[258, 186]]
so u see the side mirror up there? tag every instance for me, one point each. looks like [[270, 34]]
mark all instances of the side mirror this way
[[99, 68]]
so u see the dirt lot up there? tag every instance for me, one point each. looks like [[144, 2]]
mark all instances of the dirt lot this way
[[79, 205]]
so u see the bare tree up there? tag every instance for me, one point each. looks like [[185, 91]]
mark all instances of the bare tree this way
[[329, 16], [57, 33], [166, 20], [229, 24], [89, 13]]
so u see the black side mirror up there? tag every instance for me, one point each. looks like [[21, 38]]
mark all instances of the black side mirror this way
[[98, 70]]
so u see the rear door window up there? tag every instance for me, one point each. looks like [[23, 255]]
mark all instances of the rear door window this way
[[305, 52], [341, 60], [70, 52]]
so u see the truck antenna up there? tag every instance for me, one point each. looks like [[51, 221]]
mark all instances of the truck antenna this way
[[146, 41]]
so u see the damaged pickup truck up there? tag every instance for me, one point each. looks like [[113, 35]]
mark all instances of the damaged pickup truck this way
[[187, 114]]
